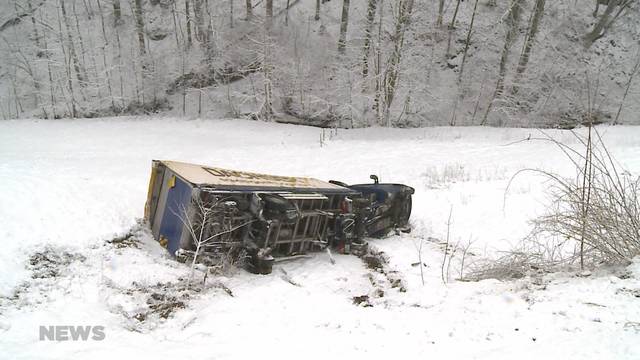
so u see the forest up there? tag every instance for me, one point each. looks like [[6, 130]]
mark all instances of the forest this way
[[340, 63]]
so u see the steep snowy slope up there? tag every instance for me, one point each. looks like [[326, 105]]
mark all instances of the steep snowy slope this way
[[91, 63]]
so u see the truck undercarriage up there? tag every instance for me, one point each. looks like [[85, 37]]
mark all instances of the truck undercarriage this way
[[263, 224]]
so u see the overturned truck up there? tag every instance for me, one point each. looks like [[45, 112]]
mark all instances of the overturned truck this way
[[211, 214]]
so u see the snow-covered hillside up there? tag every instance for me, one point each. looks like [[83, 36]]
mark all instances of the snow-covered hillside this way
[[84, 60], [70, 187]]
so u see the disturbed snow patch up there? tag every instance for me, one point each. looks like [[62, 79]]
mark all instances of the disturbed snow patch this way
[[53, 271], [131, 273]]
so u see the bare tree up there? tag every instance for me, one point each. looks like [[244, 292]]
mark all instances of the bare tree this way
[[446, 247], [249, 8], [138, 15], [513, 20], [405, 9], [366, 48], [344, 24], [117, 12], [36, 37], [440, 12], [607, 19], [187, 14], [452, 25], [286, 19], [266, 110], [269, 10], [538, 12], [200, 9], [231, 14], [50, 77], [71, 46], [634, 72], [468, 41], [71, 103]]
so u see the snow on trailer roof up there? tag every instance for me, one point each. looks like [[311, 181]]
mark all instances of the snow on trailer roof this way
[[234, 179]]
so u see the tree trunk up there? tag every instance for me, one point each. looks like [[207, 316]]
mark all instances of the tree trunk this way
[[286, 20], [468, 41], [33, 22], [513, 21], [81, 41], [67, 65], [249, 9], [187, 14], [117, 12], [440, 12], [201, 30], [317, 17], [538, 13], [371, 13], [392, 72], [49, 73], [267, 66], [605, 22], [344, 24], [455, 15], [377, 100], [452, 26], [139, 26], [269, 9], [72, 50], [515, 9]]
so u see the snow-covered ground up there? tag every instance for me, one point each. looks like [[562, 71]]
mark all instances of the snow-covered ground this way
[[67, 187]]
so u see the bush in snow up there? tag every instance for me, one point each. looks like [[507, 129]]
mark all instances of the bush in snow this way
[[598, 211]]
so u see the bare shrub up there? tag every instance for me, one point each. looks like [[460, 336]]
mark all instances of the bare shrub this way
[[598, 210], [593, 218]]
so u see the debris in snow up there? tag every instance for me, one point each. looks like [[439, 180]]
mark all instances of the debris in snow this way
[[129, 239], [153, 304], [51, 262], [373, 261], [362, 300], [633, 292], [286, 277], [378, 261], [632, 325], [594, 304]]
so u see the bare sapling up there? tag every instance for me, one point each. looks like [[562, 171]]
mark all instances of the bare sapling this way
[[446, 247], [209, 230]]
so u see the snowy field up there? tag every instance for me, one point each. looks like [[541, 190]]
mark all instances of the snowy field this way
[[69, 187]]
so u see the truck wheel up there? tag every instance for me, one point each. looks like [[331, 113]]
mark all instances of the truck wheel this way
[[262, 265]]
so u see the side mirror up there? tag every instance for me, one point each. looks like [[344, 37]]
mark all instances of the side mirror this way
[[374, 178]]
